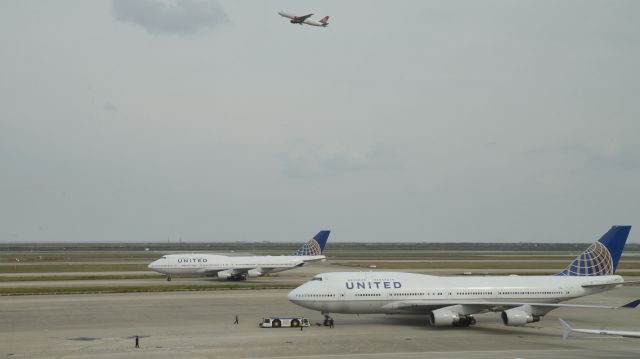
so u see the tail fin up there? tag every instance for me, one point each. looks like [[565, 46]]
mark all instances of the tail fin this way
[[566, 329], [314, 247], [601, 258], [325, 21]]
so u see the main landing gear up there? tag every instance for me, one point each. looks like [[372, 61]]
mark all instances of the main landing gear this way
[[169, 278]]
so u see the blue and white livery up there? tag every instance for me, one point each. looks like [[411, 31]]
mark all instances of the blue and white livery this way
[[240, 267], [454, 300]]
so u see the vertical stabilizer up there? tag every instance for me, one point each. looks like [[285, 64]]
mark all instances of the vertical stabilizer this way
[[315, 246], [601, 258]]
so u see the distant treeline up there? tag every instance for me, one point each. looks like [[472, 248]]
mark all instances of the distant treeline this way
[[286, 247]]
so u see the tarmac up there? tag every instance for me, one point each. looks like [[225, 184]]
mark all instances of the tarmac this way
[[200, 325]]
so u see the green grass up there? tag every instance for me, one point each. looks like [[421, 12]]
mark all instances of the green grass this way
[[47, 278], [138, 289], [60, 268], [481, 265], [35, 257]]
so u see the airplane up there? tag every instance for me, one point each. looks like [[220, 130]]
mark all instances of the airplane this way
[[452, 301], [324, 22], [241, 267], [567, 329]]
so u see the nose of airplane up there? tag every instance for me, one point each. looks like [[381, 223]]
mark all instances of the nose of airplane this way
[[152, 265], [293, 295]]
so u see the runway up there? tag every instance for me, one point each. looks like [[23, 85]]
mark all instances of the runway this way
[[200, 325]]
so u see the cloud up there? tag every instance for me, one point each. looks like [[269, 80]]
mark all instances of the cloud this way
[[335, 159], [613, 155], [178, 17], [110, 107]]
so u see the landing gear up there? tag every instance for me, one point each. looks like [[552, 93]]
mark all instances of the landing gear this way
[[465, 321], [169, 278], [237, 277]]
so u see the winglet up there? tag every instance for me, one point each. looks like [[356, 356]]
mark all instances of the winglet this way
[[566, 329], [314, 247], [633, 304]]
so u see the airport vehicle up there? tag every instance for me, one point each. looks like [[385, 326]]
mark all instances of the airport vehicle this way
[[567, 329], [284, 322], [304, 19], [240, 267], [454, 300]]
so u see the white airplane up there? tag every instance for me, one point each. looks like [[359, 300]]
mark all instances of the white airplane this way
[[241, 267], [567, 329], [324, 22], [453, 300]]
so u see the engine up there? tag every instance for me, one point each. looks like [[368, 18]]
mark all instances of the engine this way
[[230, 275], [254, 273], [518, 317], [444, 317]]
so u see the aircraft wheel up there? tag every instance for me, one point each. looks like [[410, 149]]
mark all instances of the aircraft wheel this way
[[168, 278]]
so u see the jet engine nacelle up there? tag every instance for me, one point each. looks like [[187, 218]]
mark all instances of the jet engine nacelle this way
[[518, 317], [254, 273], [225, 274], [445, 317]]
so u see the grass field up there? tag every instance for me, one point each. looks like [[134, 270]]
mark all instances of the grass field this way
[[46, 278], [89, 265], [131, 289], [58, 268], [455, 264]]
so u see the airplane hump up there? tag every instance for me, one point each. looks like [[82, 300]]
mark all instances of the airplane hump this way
[[602, 257]]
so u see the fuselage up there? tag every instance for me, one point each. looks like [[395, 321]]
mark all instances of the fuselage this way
[[377, 292], [301, 19], [206, 264]]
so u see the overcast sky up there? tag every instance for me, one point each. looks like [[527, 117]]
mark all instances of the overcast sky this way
[[436, 121]]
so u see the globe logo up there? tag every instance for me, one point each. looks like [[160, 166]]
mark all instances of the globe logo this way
[[594, 261], [311, 248]]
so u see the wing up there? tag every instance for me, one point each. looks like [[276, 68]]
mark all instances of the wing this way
[[418, 306], [303, 18]]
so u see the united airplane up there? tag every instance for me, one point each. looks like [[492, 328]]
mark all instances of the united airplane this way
[[453, 301], [241, 267], [305, 19]]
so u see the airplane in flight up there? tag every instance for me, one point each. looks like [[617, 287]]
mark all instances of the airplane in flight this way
[[240, 267], [452, 301], [567, 329], [324, 22]]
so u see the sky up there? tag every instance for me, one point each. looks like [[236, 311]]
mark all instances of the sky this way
[[402, 121]]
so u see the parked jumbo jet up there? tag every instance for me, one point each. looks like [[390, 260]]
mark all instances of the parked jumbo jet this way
[[454, 300], [241, 267], [305, 19]]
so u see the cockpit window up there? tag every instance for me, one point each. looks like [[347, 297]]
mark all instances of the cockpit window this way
[[316, 278], [164, 257]]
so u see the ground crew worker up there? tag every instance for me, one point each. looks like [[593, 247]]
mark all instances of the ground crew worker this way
[[137, 342], [330, 322], [236, 322]]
